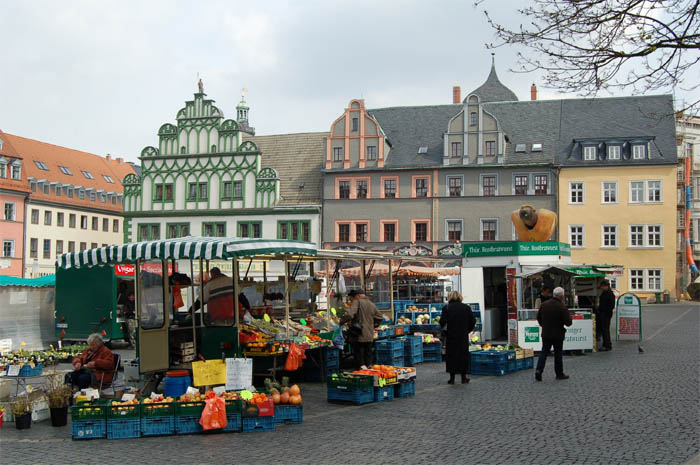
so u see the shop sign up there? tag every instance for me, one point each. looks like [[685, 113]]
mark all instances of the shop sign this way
[[628, 322], [500, 249], [124, 270], [532, 334], [579, 336]]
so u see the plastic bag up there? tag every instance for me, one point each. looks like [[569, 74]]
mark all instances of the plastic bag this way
[[294, 358], [214, 413], [247, 317]]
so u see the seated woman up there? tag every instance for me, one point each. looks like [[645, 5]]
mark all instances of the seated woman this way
[[93, 366]]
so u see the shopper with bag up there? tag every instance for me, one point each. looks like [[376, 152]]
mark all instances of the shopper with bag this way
[[363, 316]]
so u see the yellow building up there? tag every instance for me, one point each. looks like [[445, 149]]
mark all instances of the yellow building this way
[[622, 216]]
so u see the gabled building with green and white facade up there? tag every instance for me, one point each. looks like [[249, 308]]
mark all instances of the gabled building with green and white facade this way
[[210, 176]]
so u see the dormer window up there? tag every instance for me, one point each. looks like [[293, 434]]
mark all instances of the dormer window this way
[[41, 165], [590, 153], [536, 147], [16, 171], [520, 148], [613, 152], [423, 150], [638, 152], [355, 124], [472, 118]]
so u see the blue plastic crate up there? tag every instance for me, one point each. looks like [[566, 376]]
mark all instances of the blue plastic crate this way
[[488, 368], [122, 429], [233, 423], [390, 346], [384, 394], [188, 424], [520, 364], [383, 359], [529, 363], [158, 426], [254, 424], [511, 366], [354, 396], [405, 389], [413, 343], [319, 374], [411, 360], [428, 358], [89, 429], [432, 348], [406, 328], [493, 356], [331, 354], [430, 327], [289, 414]]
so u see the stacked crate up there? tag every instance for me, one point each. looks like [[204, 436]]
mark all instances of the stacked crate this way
[[432, 352], [89, 419], [412, 350], [492, 362], [329, 364], [390, 352], [354, 389], [183, 353]]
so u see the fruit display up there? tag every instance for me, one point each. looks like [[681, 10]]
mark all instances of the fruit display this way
[[282, 393], [428, 338], [403, 320], [423, 319], [197, 397], [158, 400]]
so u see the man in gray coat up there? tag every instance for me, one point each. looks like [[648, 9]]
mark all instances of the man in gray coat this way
[[553, 316], [363, 312]]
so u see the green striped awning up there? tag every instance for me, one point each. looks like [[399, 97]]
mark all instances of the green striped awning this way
[[206, 248]]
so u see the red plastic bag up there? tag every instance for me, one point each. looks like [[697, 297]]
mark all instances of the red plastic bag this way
[[294, 358], [214, 413], [177, 296]]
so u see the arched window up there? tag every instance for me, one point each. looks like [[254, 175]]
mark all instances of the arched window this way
[[213, 148], [183, 150]]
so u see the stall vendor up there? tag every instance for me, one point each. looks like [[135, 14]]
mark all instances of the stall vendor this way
[[94, 366], [364, 316], [218, 295]]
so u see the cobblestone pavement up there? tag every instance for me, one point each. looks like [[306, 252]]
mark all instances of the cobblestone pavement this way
[[619, 407]]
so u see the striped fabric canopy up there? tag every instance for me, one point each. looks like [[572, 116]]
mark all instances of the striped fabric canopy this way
[[206, 248]]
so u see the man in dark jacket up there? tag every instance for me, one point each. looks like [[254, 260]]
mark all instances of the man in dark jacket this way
[[606, 305], [552, 317]]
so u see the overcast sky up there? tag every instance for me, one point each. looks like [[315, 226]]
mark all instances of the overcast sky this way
[[103, 76]]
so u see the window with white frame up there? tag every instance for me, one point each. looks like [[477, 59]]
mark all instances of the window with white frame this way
[[520, 182], [456, 149], [646, 191], [654, 235], [337, 153], [489, 229], [371, 152], [609, 192], [654, 281], [636, 279], [541, 183], [610, 235], [653, 191], [638, 152], [488, 185], [454, 186], [454, 230], [8, 248], [636, 235], [589, 153], [10, 211], [636, 191], [16, 171], [613, 152], [576, 235], [3, 169], [576, 192]]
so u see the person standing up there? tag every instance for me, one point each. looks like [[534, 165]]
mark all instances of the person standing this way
[[545, 295], [457, 321], [553, 316], [606, 305], [364, 316]]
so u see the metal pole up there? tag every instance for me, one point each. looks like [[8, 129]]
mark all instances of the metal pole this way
[[194, 321], [391, 290], [201, 289], [234, 277], [363, 270], [328, 293], [286, 295], [264, 280]]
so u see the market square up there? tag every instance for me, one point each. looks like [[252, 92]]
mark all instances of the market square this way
[[389, 232]]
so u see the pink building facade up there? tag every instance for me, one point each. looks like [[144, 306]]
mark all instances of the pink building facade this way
[[14, 191]]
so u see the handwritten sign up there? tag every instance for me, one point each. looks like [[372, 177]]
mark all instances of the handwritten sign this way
[[128, 397], [239, 373], [209, 373], [13, 370]]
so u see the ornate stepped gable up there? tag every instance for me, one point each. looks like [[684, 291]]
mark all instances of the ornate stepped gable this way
[[203, 147]]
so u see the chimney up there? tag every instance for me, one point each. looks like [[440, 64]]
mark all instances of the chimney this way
[[456, 94], [120, 161], [533, 92], [109, 157]]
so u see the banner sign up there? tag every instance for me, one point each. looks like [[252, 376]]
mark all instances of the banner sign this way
[[499, 249], [579, 336], [628, 322]]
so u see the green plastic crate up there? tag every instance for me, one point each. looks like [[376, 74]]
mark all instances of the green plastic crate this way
[[159, 409], [89, 410], [350, 382], [184, 409], [234, 406], [122, 412]]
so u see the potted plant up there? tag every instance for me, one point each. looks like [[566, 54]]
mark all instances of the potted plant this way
[[59, 396], [22, 411]]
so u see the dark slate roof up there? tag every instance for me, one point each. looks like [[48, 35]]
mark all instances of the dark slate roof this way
[[619, 118], [298, 158], [528, 122], [409, 128], [493, 90]]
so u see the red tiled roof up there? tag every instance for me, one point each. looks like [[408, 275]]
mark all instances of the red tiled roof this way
[[8, 151], [76, 161]]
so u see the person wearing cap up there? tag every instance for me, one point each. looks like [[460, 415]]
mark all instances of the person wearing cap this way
[[553, 316], [364, 313], [606, 305]]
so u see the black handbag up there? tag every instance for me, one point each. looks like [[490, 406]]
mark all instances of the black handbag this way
[[355, 329]]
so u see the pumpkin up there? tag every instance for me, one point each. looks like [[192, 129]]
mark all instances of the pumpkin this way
[[534, 225], [294, 390], [284, 398], [276, 397], [295, 399]]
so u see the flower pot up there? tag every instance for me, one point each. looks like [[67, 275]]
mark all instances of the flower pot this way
[[59, 416], [23, 421]]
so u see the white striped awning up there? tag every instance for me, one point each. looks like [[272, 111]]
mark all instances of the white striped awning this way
[[206, 248]]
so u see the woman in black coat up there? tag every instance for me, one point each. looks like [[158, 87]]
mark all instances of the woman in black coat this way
[[458, 321]]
